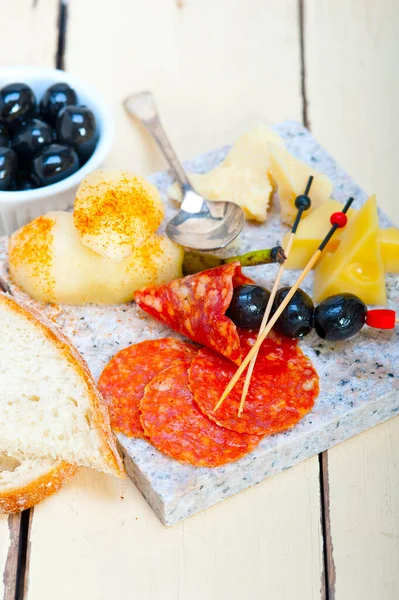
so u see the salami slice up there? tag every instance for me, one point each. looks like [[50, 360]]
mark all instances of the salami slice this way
[[248, 338], [123, 380], [195, 306], [283, 389], [177, 427]]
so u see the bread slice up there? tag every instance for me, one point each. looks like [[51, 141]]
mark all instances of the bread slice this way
[[49, 405], [24, 482]]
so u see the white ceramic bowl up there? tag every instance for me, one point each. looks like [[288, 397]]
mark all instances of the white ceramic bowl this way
[[17, 208]]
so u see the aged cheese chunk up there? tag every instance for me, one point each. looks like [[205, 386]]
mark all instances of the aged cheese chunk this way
[[310, 233], [242, 177], [291, 176], [252, 149], [356, 266], [390, 249]]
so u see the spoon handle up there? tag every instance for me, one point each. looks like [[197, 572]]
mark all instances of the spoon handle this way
[[143, 107]]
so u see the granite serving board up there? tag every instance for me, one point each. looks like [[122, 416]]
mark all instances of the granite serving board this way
[[359, 378]]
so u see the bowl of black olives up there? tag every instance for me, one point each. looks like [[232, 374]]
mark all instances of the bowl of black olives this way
[[54, 130]]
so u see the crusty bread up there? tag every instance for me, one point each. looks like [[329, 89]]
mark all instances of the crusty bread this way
[[26, 482], [49, 405]]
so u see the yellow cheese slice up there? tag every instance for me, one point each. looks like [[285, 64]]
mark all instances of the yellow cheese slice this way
[[313, 227], [311, 230], [291, 176], [356, 266], [390, 249]]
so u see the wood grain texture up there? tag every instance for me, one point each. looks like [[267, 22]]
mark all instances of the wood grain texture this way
[[364, 505], [9, 555], [28, 32], [351, 52], [111, 545], [213, 71], [28, 36], [4, 545]]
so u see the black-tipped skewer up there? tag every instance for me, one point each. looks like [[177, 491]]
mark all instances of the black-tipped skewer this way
[[302, 203], [337, 221]]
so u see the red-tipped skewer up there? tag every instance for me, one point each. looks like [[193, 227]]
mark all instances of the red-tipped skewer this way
[[302, 203], [338, 220]]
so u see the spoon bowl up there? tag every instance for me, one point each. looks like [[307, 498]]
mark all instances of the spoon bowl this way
[[200, 224]]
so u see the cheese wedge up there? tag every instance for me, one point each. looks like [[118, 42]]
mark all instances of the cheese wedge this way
[[390, 249], [356, 266], [291, 176], [313, 227], [243, 177], [311, 230]]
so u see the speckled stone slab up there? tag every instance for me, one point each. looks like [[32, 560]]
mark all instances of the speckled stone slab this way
[[359, 378]]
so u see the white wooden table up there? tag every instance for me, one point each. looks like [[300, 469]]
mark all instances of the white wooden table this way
[[328, 528]]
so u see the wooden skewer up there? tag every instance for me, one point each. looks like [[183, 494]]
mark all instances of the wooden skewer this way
[[267, 329], [278, 312], [264, 322], [273, 293]]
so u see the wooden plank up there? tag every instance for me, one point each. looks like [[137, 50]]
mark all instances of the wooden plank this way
[[350, 51], [364, 504], [9, 555], [28, 35], [102, 541], [28, 32], [214, 71]]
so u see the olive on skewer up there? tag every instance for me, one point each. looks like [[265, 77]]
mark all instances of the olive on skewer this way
[[338, 317], [296, 320], [248, 305]]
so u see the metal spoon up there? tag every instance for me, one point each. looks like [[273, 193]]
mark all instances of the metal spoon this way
[[200, 224]]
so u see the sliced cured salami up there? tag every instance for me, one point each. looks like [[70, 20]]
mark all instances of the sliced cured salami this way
[[283, 388], [195, 306], [176, 426], [123, 380]]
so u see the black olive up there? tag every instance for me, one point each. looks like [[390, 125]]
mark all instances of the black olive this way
[[30, 138], [54, 163], [17, 103], [76, 126], [296, 320], [23, 181], [248, 305], [8, 168], [4, 135], [55, 98], [339, 317]]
